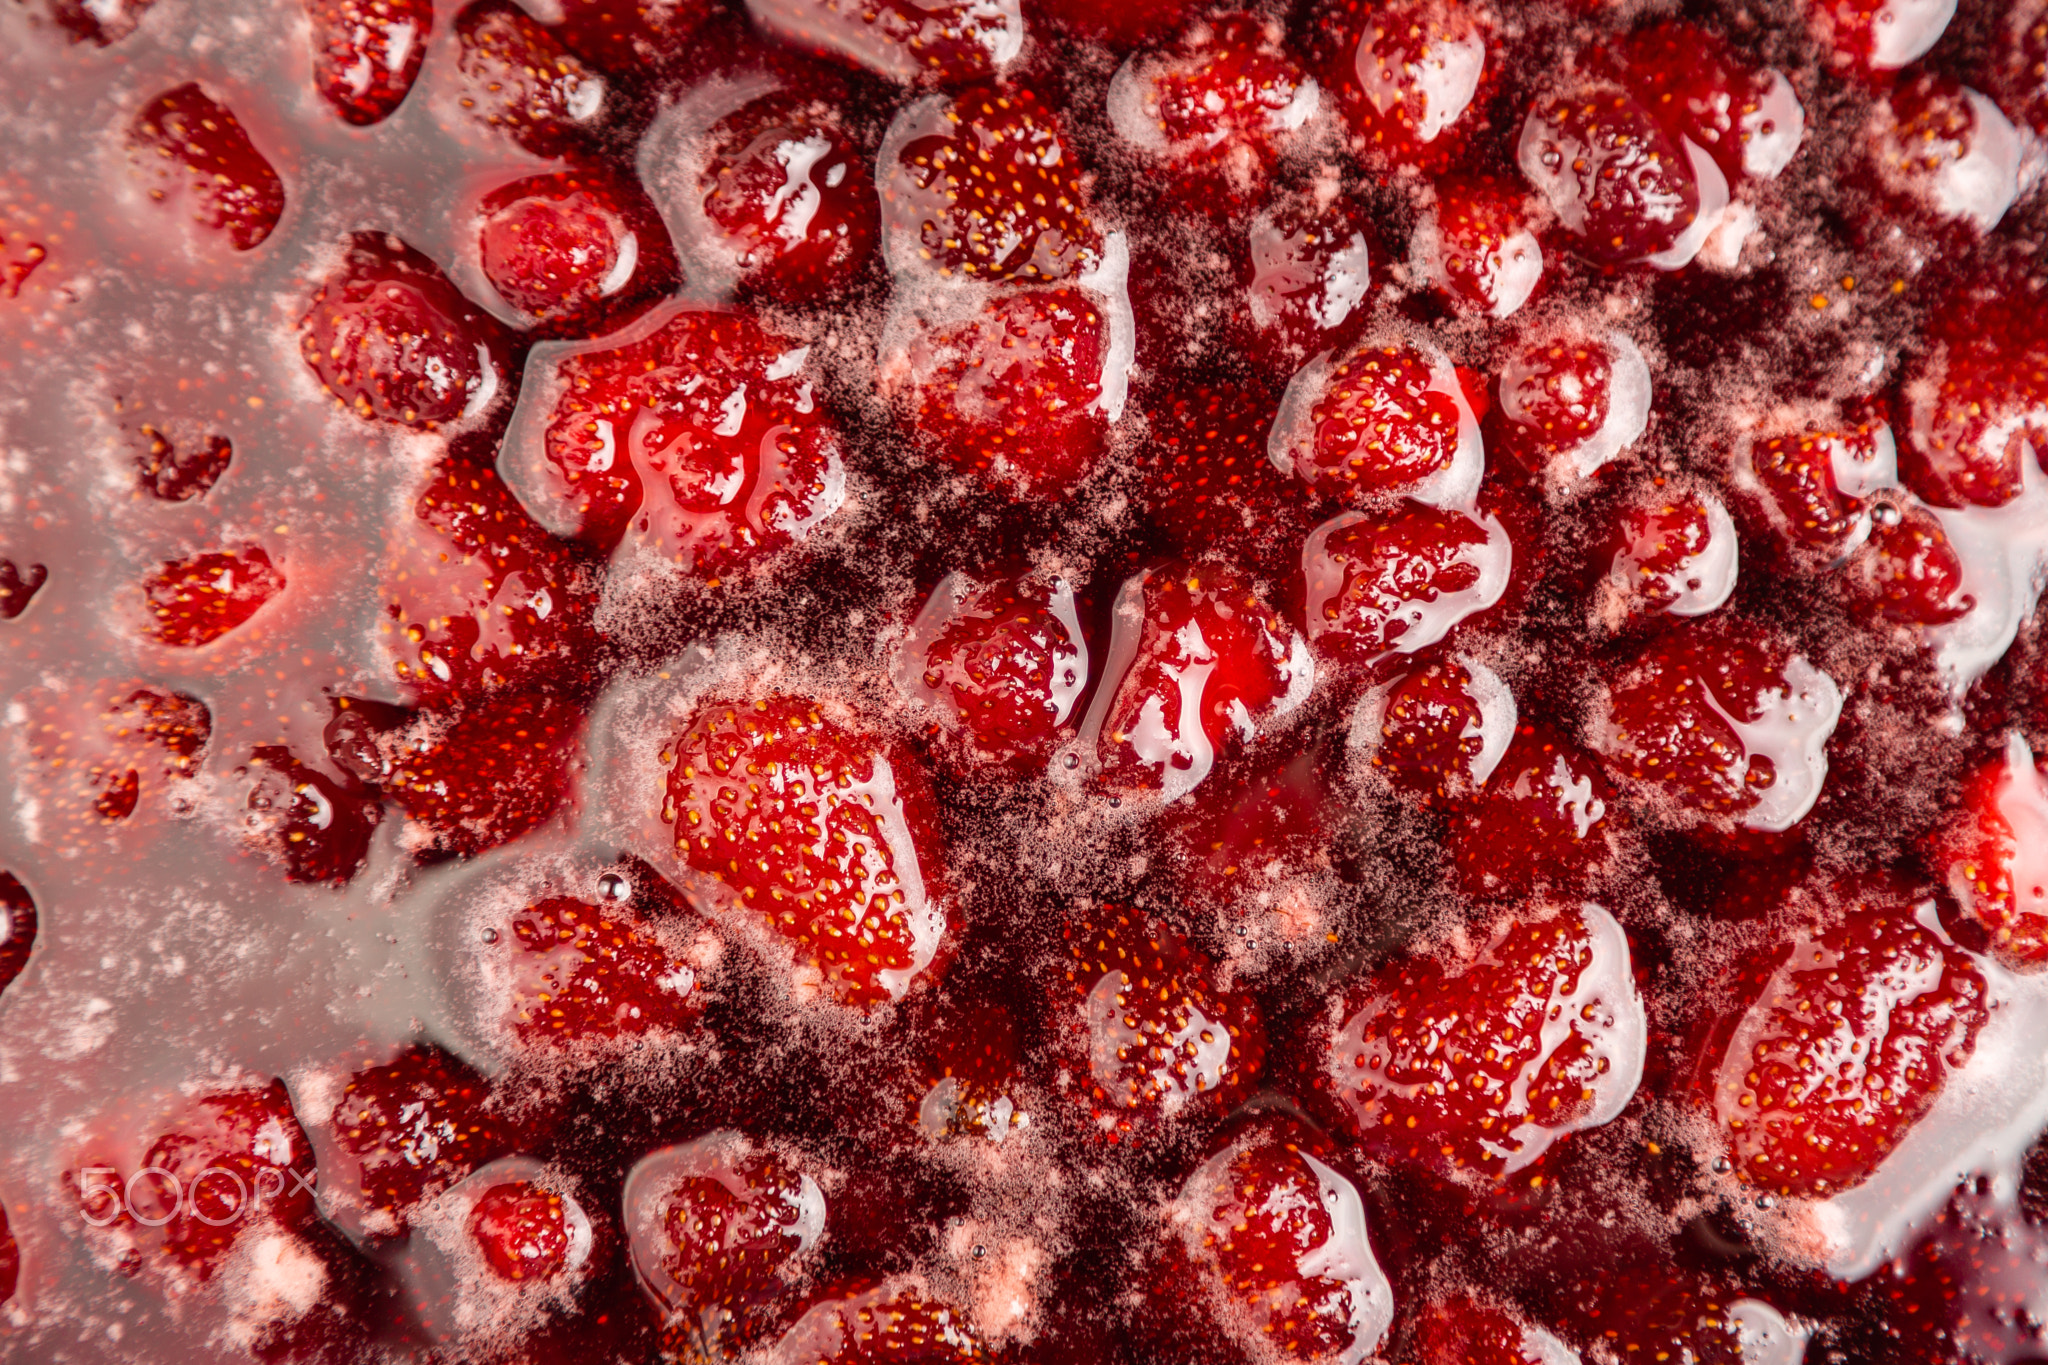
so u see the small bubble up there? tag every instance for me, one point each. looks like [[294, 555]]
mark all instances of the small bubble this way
[[1072, 760], [614, 887], [1887, 514], [1722, 1165], [1765, 1201], [1115, 801], [979, 1251], [490, 935]]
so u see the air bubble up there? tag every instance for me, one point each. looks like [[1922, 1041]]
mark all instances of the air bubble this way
[[1722, 1165], [490, 935], [1765, 1201], [614, 887], [980, 1251]]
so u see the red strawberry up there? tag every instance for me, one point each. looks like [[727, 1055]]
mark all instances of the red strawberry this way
[[593, 971], [1004, 661], [1279, 1238], [1726, 723], [717, 1227], [412, 1127], [1908, 570], [663, 426], [1217, 106], [1624, 1298], [98, 23], [17, 932], [829, 841], [1569, 404], [1951, 150], [193, 152], [1307, 277], [522, 1230], [1843, 1045], [10, 1260], [577, 250], [393, 341], [632, 35], [1818, 481], [367, 53], [790, 194], [949, 42], [1748, 120], [1542, 818], [477, 597], [170, 474], [1624, 188], [517, 76], [1673, 551], [1207, 481], [1405, 73], [2018, 69], [1478, 1061], [1478, 247], [967, 1076], [1149, 1031], [1462, 1331], [1021, 393], [1875, 36], [132, 740], [195, 601], [1209, 663], [1121, 24], [884, 1325], [1399, 581], [1991, 850], [1974, 395], [18, 585], [1237, 854], [1439, 730], [985, 187], [1384, 417], [318, 829]]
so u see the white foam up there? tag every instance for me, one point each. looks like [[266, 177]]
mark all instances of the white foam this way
[[1771, 132], [1763, 1336], [1278, 277], [1109, 281], [1429, 619], [1982, 184], [1496, 725]]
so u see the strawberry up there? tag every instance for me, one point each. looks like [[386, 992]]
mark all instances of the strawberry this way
[[1725, 724], [141, 740], [1475, 1062], [1440, 730], [1121, 24], [1234, 852], [1149, 1032], [1569, 404], [516, 76], [1004, 661], [185, 145], [1405, 73], [593, 971], [367, 53], [1877, 36], [1973, 395], [1950, 150], [1908, 570], [1460, 1330], [987, 188], [1817, 481], [884, 1325], [17, 932], [170, 474], [790, 195], [1217, 106], [195, 601], [1205, 477], [1672, 551], [1989, 851], [522, 1230], [1383, 417], [1209, 663], [413, 1126], [2018, 70], [1399, 581], [10, 1261], [1748, 120], [578, 251], [316, 828], [950, 42], [1478, 247], [631, 35], [101, 24], [392, 340], [1625, 1298], [661, 426], [1307, 276], [477, 596], [967, 1074], [1845, 1040], [829, 840], [1279, 1238], [18, 584], [1622, 186], [1542, 818], [1019, 392]]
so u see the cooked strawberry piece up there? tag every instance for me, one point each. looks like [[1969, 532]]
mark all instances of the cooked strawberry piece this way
[[594, 971], [170, 474], [1005, 661], [1725, 723], [97, 22], [414, 1126], [663, 425], [18, 583], [1283, 1241], [1206, 477], [1673, 553], [1618, 182], [791, 195], [1210, 663], [1306, 275], [367, 53], [1442, 728], [987, 188], [1217, 104], [1627, 1296], [522, 1230], [1876, 36], [188, 148], [1974, 394], [237, 1156], [1401, 580], [195, 601], [1234, 853], [631, 35], [829, 839], [516, 76], [1463, 1331], [1479, 247], [1542, 818], [318, 829], [1748, 120], [1569, 404], [1951, 150], [1844, 1045], [1992, 850], [948, 42], [1459, 1064], [1909, 571], [1015, 393], [477, 596], [1405, 73], [968, 1070], [1818, 481], [17, 930], [577, 250], [393, 341], [1153, 1033], [885, 1325], [1385, 418]]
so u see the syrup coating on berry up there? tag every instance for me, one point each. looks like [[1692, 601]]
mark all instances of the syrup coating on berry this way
[[367, 54], [1007, 662], [792, 197], [522, 1230], [184, 145], [574, 250]]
